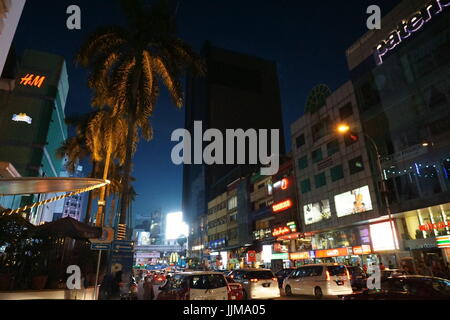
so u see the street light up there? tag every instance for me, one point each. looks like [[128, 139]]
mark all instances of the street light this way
[[345, 129]]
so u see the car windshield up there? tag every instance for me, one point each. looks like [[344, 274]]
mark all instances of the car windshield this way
[[337, 270], [207, 281], [259, 275]]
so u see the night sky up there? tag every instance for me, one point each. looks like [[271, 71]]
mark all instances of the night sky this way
[[307, 39]]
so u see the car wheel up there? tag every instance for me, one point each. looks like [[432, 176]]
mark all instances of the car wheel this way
[[318, 293], [288, 291]]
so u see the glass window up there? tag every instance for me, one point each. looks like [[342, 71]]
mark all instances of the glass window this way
[[332, 147], [303, 162], [356, 165], [442, 286], [304, 272], [346, 111], [232, 203], [320, 180], [337, 173], [321, 129], [300, 141], [305, 186], [316, 271], [316, 155], [337, 270], [259, 275]]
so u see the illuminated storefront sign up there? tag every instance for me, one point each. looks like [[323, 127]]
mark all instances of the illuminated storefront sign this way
[[339, 252], [32, 80], [300, 255], [22, 117], [360, 250], [281, 206], [280, 256], [283, 184], [289, 228], [434, 226], [383, 237], [407, 27], [198, 248], [443, 241]]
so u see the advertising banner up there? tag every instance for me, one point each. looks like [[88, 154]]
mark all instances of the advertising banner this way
[[351, 202], [316, 212]]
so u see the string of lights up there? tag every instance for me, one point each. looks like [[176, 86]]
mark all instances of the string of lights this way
[[43, 202], [418, 169]]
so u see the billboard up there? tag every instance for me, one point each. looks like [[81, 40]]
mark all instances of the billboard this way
[[316, 212], [144, 238], [175, 226], [383, 237], [351, 202]]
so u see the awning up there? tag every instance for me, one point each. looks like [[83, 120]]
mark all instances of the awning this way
[[69, 228], [17, 186]]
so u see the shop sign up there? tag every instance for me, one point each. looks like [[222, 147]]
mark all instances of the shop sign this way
[[443, 241], [283, 184], [278, 247], [280, 256], [360, 250], [300, 255], [22, 117], [282, 206], [434, 226], [332, 253], [406, 28], [289, 228], [32, 80], [251, 256]]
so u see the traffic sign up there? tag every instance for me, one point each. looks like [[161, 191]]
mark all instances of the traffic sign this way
[[100, 246]]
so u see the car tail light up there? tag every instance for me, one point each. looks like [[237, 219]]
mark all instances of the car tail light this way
[[328, 276], [348, 275], [274, 279], [253, 280]]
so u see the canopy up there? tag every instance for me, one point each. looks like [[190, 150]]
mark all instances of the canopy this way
[[70, 228], [17, 186]]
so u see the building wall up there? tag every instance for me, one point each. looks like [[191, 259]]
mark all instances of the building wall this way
[[10, 13], [340, 98]]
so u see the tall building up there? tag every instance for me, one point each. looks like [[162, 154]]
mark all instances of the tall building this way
[[402, 84], [238, 92], [32, 123], [10, 13]]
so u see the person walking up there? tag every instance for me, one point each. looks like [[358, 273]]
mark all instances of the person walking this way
[[148, 289]]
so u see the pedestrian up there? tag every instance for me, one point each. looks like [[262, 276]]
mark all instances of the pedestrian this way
[[148, 289], [365, 268], [390, 265]]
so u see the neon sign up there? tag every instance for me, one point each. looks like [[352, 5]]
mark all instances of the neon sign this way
[[283, 184], [434, 226], [32, 80], [300, 255], [289, 228], [281, 206], [332, 253], [407, 27], [22, 117]]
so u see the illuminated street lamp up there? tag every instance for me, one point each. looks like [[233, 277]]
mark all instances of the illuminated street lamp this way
[[344, 129]]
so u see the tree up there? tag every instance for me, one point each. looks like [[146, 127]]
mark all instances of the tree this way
[[129, 64]]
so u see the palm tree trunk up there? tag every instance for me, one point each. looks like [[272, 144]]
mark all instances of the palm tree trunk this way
[[113, 211], [101, 202], [126, 184], [87, 218]]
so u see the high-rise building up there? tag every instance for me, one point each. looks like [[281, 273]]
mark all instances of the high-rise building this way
[[401, 79], [238, 92], [10, 13], [32, 125]]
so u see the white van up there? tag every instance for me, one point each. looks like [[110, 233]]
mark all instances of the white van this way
[[195, 286], [325, 279], [257, 283]]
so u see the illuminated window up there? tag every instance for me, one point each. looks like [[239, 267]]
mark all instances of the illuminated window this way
[[356, 165], [232, 203]]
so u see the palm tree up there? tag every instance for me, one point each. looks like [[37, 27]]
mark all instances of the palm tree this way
[[129, 64]]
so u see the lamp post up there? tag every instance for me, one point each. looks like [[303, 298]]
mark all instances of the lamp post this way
[[345, 128]]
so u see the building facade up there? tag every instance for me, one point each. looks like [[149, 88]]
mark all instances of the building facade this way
[[232, 95], [400, 74], [32, 125]]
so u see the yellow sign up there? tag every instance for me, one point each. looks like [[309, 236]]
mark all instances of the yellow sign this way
[[32, 80]]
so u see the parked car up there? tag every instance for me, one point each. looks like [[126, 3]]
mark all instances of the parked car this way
[[282, 274], [358, 277], [326, 279], [236, 291], [257, 283], [195, 285], [387, 273], [407, 287]]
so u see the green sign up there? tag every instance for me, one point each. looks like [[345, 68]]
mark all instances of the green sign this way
[[280, 256]]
